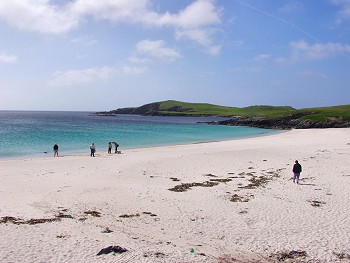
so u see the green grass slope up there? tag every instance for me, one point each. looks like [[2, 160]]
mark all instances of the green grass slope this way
[[173, 108], [335, 113], [323, 114]]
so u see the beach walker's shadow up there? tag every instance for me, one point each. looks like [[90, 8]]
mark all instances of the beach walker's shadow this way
[[307, 184], [301, 182]]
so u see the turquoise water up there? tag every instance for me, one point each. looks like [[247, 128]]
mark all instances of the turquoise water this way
[[25, 133]]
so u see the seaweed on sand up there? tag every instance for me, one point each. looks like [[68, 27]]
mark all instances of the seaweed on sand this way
[[210, 175], [174, 179], [149, 213], [342, 255], [212, 182], [256, 182], [221, 180], [316, 203], [260, 181], [293, 254], [93, 213], [238, 198], [156, 254], [33, 221], [129, 216], [185, 186]]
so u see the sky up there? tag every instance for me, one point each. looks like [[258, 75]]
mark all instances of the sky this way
[[89, 55]]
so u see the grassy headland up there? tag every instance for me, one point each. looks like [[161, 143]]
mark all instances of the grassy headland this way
[[178, 108]]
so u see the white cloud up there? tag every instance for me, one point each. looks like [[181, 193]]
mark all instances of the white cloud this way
[[198, 14], [202, 36], [137, 60], [83, 76], [262, 57], [8, 58], [38, 15], [157, 49], [121, 10], [344, 12], [194, 22], [313, 75], [214, 50], [301, 50], [85, 40], [199, 17], [133, 70], [197, 22]]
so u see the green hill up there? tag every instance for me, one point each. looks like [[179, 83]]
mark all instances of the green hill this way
[[336, 114], [178, 108]]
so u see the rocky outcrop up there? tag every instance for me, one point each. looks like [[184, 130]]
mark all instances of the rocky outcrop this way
[[281, 124]]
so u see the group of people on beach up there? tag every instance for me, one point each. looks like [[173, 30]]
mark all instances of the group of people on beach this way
[[116, 145], [110, 146], [296, 167], [92, 149]]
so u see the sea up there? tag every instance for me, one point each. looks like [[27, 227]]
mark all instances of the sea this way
[[33, 133]]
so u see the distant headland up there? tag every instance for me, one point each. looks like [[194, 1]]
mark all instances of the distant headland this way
[[262, 116]]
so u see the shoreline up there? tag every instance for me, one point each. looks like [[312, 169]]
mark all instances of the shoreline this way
[[78, 153], [199, 202]]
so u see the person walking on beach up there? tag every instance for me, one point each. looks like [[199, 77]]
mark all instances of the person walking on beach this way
[[296, 170], [109, 147], [93, 150], [55, 150]]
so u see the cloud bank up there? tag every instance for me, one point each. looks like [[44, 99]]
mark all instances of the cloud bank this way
[[83, 76], [196, 22], [303, 51]]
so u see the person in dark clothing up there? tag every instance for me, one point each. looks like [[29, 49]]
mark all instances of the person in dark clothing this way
[[296, 170], [109, 147], [116, 147], [92, 150], [55, 150]]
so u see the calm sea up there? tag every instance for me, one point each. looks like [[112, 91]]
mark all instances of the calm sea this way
[[29, 133]]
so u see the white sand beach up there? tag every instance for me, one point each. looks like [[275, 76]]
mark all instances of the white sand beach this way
[[230, 201]]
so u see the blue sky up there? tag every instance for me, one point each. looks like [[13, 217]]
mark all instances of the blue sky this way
[[94, 55]]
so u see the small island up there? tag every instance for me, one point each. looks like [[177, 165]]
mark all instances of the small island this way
[[260, 116]]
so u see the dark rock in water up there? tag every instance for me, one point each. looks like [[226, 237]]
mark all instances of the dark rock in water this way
[[110, 249]]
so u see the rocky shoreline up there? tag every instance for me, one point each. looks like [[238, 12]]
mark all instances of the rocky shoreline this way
[[281, 124]]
